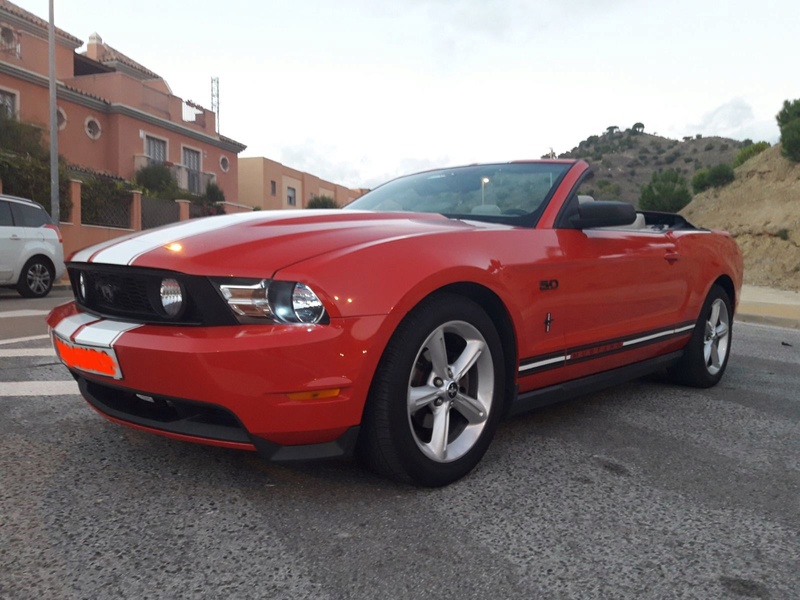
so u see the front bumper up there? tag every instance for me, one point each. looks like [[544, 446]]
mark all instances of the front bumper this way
[[231, 385]]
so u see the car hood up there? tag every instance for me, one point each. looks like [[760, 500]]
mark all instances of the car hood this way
[[259, 243]]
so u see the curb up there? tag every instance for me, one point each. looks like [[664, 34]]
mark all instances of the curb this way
[[784, 322]]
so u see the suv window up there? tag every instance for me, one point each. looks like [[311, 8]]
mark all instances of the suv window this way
[[29, 216], [5, 215]]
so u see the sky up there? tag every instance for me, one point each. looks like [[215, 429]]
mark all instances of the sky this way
[[360, 91]]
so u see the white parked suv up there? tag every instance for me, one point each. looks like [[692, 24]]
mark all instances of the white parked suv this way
[[31, 249]]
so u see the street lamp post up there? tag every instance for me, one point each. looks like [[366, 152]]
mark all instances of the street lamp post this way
[[484, 181], [51, 43]]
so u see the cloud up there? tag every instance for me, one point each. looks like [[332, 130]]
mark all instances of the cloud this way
[[736, 119], [321, 160]]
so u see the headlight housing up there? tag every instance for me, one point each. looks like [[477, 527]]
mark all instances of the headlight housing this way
[[279, 301]]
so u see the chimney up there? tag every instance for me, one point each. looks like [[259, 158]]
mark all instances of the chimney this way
[[94, 48]]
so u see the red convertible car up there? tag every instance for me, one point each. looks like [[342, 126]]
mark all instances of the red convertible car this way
[[401, 328]]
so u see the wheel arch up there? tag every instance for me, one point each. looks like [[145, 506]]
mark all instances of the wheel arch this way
[[726, 283], [496, 310]]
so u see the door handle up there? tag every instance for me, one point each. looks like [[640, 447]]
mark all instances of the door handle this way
[[15, 237], [671, 257]]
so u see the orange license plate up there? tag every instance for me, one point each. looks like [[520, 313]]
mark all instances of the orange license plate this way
[[101, 361]]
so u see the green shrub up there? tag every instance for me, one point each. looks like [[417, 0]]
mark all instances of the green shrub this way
[[157, 180], [322, 202], [749, 151], [25, 165], [709, 147], [783, 234], [700, 181], [720, 175], [667, 191]]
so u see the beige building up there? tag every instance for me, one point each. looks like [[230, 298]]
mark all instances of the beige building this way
[[268, 185]]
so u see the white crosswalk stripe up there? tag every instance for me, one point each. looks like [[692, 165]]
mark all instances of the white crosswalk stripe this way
[[20, 352], [38, 388], [11, 314]]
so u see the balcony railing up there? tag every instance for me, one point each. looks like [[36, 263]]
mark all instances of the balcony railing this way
[[191, 180]]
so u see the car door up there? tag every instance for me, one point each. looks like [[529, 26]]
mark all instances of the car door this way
[[11, 244], [623, 290]]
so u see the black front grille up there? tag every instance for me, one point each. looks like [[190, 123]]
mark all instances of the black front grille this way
[[134, 294], [125, 293]]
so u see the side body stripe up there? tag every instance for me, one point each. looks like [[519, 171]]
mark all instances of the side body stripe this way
[[537, 364]]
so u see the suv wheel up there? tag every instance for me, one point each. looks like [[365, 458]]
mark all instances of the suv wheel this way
[[36, 279]]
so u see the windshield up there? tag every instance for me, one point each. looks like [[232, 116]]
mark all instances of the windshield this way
[[499, 192]]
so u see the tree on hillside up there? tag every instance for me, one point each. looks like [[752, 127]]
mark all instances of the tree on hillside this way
[[789, 112], [790, 140], [638, 127], [612, 129], [667, 191], [789, 124]]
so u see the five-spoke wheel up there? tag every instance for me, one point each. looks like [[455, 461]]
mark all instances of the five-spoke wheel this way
[[706, 356], [437, 394]]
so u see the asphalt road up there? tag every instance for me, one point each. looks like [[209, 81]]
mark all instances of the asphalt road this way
[[646, 490]]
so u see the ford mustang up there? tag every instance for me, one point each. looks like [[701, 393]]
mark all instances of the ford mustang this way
[[401, 328]]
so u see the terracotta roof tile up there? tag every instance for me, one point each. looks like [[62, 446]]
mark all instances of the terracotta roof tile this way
[[32, 18]]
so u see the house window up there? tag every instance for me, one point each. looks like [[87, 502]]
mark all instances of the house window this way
[[224, 163], [92, 128], [8, 104], [155, 149], [273, 188], [191, 160], [61, 118], [9, 41], [291, 196]]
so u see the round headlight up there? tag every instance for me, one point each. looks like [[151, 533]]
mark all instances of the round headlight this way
[[82, 287], [306, 305], [171, 297]]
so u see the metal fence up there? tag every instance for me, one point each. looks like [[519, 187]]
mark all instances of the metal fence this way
[[107, 213], [157, 212], [196, 211]]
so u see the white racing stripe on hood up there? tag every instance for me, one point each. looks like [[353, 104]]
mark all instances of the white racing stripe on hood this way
[[125, 251]]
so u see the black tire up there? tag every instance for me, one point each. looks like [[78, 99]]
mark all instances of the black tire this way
[[440, 436], [706, 356], [36, 278]]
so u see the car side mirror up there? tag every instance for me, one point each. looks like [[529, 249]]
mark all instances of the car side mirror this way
[[603, 213]]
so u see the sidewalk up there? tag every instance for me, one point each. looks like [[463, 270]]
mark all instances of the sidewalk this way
[[768, 306]]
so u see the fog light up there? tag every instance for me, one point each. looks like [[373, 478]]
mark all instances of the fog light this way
[[171, 297], [82, 287]]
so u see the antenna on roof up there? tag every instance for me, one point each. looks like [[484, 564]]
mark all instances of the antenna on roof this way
[[215, 99]]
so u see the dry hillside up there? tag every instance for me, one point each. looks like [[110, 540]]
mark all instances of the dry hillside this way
[[624, 161], [761, 209]]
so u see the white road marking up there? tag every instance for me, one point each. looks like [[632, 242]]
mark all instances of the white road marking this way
[[30, 338], [11, 314], [19, 352], [39, 388]]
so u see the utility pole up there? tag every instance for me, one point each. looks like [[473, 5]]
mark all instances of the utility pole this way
[[54, 201], [215, 99]]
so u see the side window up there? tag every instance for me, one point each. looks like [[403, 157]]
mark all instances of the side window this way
[[29, 216], [5, 215]]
